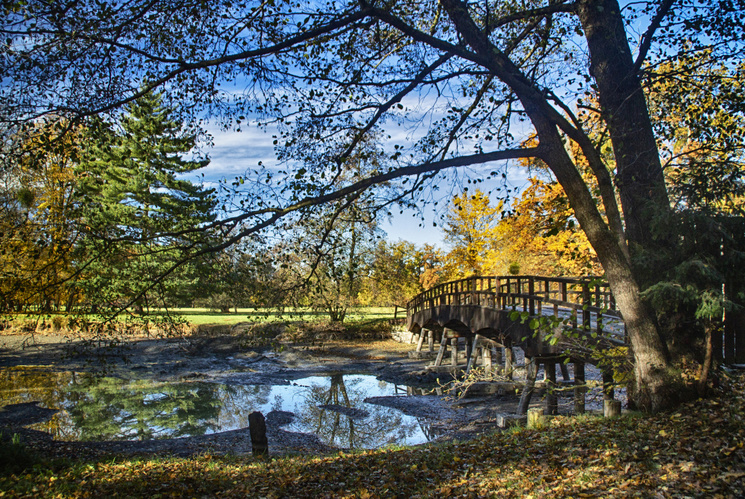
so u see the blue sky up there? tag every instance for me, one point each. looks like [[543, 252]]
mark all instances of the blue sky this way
[[235, 152]]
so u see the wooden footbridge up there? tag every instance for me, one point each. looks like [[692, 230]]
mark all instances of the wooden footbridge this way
[[552, 319]]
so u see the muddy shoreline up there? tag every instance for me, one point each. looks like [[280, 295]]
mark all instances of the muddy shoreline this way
[[224, 359]]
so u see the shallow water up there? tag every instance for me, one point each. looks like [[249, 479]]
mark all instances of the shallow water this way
[[104, 408]]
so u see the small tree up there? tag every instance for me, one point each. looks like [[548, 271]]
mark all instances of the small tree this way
[[470, 229], [393, 277]]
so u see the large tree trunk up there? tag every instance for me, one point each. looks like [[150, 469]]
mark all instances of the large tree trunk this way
[[642, 194], [639, 178], [654, 387]]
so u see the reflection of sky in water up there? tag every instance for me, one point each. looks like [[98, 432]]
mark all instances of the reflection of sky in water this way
[[331, 407]]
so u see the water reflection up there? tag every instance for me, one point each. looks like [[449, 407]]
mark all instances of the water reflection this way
[[331, 407], [335, 411]]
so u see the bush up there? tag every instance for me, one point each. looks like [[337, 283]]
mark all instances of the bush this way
[[375, 329], [59, 322]]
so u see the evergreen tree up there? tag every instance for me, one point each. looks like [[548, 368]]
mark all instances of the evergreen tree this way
[[140, 215]]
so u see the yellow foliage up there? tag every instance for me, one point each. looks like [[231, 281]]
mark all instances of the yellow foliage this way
[[37, 232], [542, 236], [470, 229]]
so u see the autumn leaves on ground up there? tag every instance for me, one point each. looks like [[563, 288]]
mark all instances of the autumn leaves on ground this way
[[696, 451]]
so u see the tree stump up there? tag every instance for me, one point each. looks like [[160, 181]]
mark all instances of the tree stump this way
[[257, 428]]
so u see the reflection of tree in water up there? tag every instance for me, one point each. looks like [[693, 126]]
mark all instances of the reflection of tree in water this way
[[114, 409], [22, 384], [353, 428], [109, 408], [238, 401]]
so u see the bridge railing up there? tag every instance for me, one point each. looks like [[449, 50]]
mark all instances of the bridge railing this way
[[586, 300]]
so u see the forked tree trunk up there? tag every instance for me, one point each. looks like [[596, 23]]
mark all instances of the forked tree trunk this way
[[639, 176], [642, 187]]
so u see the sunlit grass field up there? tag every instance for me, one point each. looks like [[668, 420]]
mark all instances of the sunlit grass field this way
[[196, 316], [203, 316]]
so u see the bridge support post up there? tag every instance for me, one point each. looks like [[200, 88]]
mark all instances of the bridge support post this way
[[420, 342], [474, 355], [481, 350], [486, 359], [531, 372], [431, 340], [443, 345], [579, 389], [509, 361], [497, 354], [454, 351], [552, 402]]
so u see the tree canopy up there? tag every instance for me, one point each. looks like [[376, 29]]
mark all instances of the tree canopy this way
[[436, 86]]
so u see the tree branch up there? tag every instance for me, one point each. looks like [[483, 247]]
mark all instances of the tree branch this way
[[646, 42]]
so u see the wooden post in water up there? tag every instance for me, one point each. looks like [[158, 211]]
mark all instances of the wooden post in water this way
[[257, 428]]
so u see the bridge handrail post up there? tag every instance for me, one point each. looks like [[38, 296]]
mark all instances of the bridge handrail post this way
[[586, 305], [531, 294]]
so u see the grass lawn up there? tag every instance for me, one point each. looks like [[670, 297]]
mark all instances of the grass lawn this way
[[196, 316], [200, 316]]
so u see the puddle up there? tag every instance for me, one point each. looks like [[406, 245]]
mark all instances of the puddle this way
[[331, 407]]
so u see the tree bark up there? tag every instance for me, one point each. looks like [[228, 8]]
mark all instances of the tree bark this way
[[640, 179]]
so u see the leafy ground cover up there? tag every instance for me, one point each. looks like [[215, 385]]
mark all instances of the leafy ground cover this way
[[696, 451]]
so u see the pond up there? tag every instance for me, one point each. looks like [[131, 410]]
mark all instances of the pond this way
[[105, 408]]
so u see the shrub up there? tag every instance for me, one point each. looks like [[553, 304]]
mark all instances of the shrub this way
[[59, 322]]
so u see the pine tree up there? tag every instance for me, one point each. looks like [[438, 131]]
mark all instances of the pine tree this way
[[138, 211]]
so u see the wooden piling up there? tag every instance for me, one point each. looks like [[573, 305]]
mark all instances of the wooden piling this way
[[257, 429]]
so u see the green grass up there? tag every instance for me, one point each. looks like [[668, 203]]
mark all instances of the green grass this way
[[196, 316], [199, 316]]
